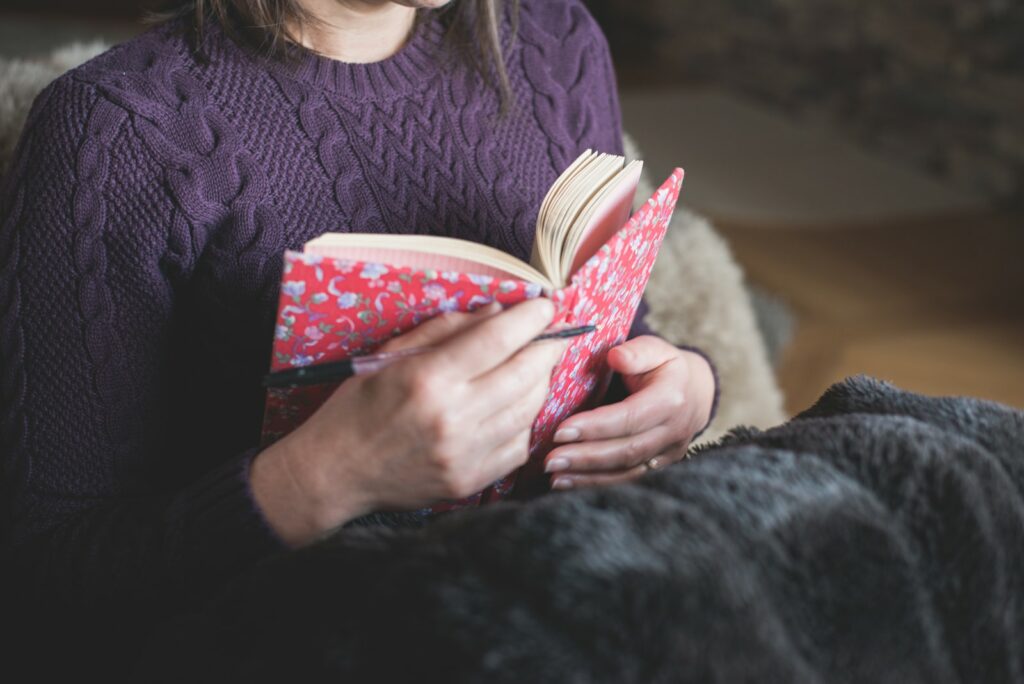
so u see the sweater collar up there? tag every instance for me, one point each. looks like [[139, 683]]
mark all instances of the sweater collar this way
[[409, 69]]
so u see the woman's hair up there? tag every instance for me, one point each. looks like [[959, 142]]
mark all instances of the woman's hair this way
[[473, 29]]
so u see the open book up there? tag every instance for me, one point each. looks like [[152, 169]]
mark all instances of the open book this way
[[585, 206], [348, 293]]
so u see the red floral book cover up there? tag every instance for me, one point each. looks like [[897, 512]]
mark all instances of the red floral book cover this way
[[333, 309]]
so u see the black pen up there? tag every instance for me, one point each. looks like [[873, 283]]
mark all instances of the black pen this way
[[340, 370]]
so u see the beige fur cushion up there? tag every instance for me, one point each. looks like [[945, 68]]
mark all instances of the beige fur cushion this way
[[696, 294]]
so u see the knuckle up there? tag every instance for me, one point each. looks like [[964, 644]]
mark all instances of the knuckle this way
[[423, 384], [633, 451], [449, 473], [443, 462], [442, 428]]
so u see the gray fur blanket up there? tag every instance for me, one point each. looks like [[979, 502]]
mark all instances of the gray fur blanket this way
[[878, 536]]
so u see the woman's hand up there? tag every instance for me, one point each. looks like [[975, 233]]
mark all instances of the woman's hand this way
[[671, 392], [441, 425]]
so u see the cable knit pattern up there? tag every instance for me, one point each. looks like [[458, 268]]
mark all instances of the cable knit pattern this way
[[143, 221], [89, 221]]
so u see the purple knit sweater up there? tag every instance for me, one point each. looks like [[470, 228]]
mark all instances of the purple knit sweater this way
[[143, 223]]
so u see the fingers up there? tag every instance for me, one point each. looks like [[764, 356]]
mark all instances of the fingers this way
[[610, 454], [439, 328], [508, 416], [572, 480], [635, 414], [475, 351], [597, 479], [527, 369]]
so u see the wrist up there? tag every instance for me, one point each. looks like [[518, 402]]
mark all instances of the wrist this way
[[297, 500]]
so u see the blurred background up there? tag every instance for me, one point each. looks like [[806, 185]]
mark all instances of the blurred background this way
[[863, 158], [865, 161]]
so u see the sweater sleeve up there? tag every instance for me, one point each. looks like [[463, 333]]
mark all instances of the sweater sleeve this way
[[86, 525]]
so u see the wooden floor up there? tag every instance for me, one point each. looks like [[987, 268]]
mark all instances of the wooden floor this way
[[935, 306]]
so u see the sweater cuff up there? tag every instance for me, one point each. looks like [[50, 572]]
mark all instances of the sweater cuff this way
[[221, 529]]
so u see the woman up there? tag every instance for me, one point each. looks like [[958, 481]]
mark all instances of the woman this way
[[153, 193]]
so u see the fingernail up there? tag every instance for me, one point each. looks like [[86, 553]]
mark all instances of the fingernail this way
[[556, 464], [562, 483], [567, 435]]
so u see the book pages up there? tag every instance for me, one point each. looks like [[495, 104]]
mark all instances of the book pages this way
[[426, 251]]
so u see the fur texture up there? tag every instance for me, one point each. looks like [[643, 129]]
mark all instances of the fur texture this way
[[713, 312], [877, 537]]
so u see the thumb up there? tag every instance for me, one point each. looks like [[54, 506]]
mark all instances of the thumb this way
[[641, 355]]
